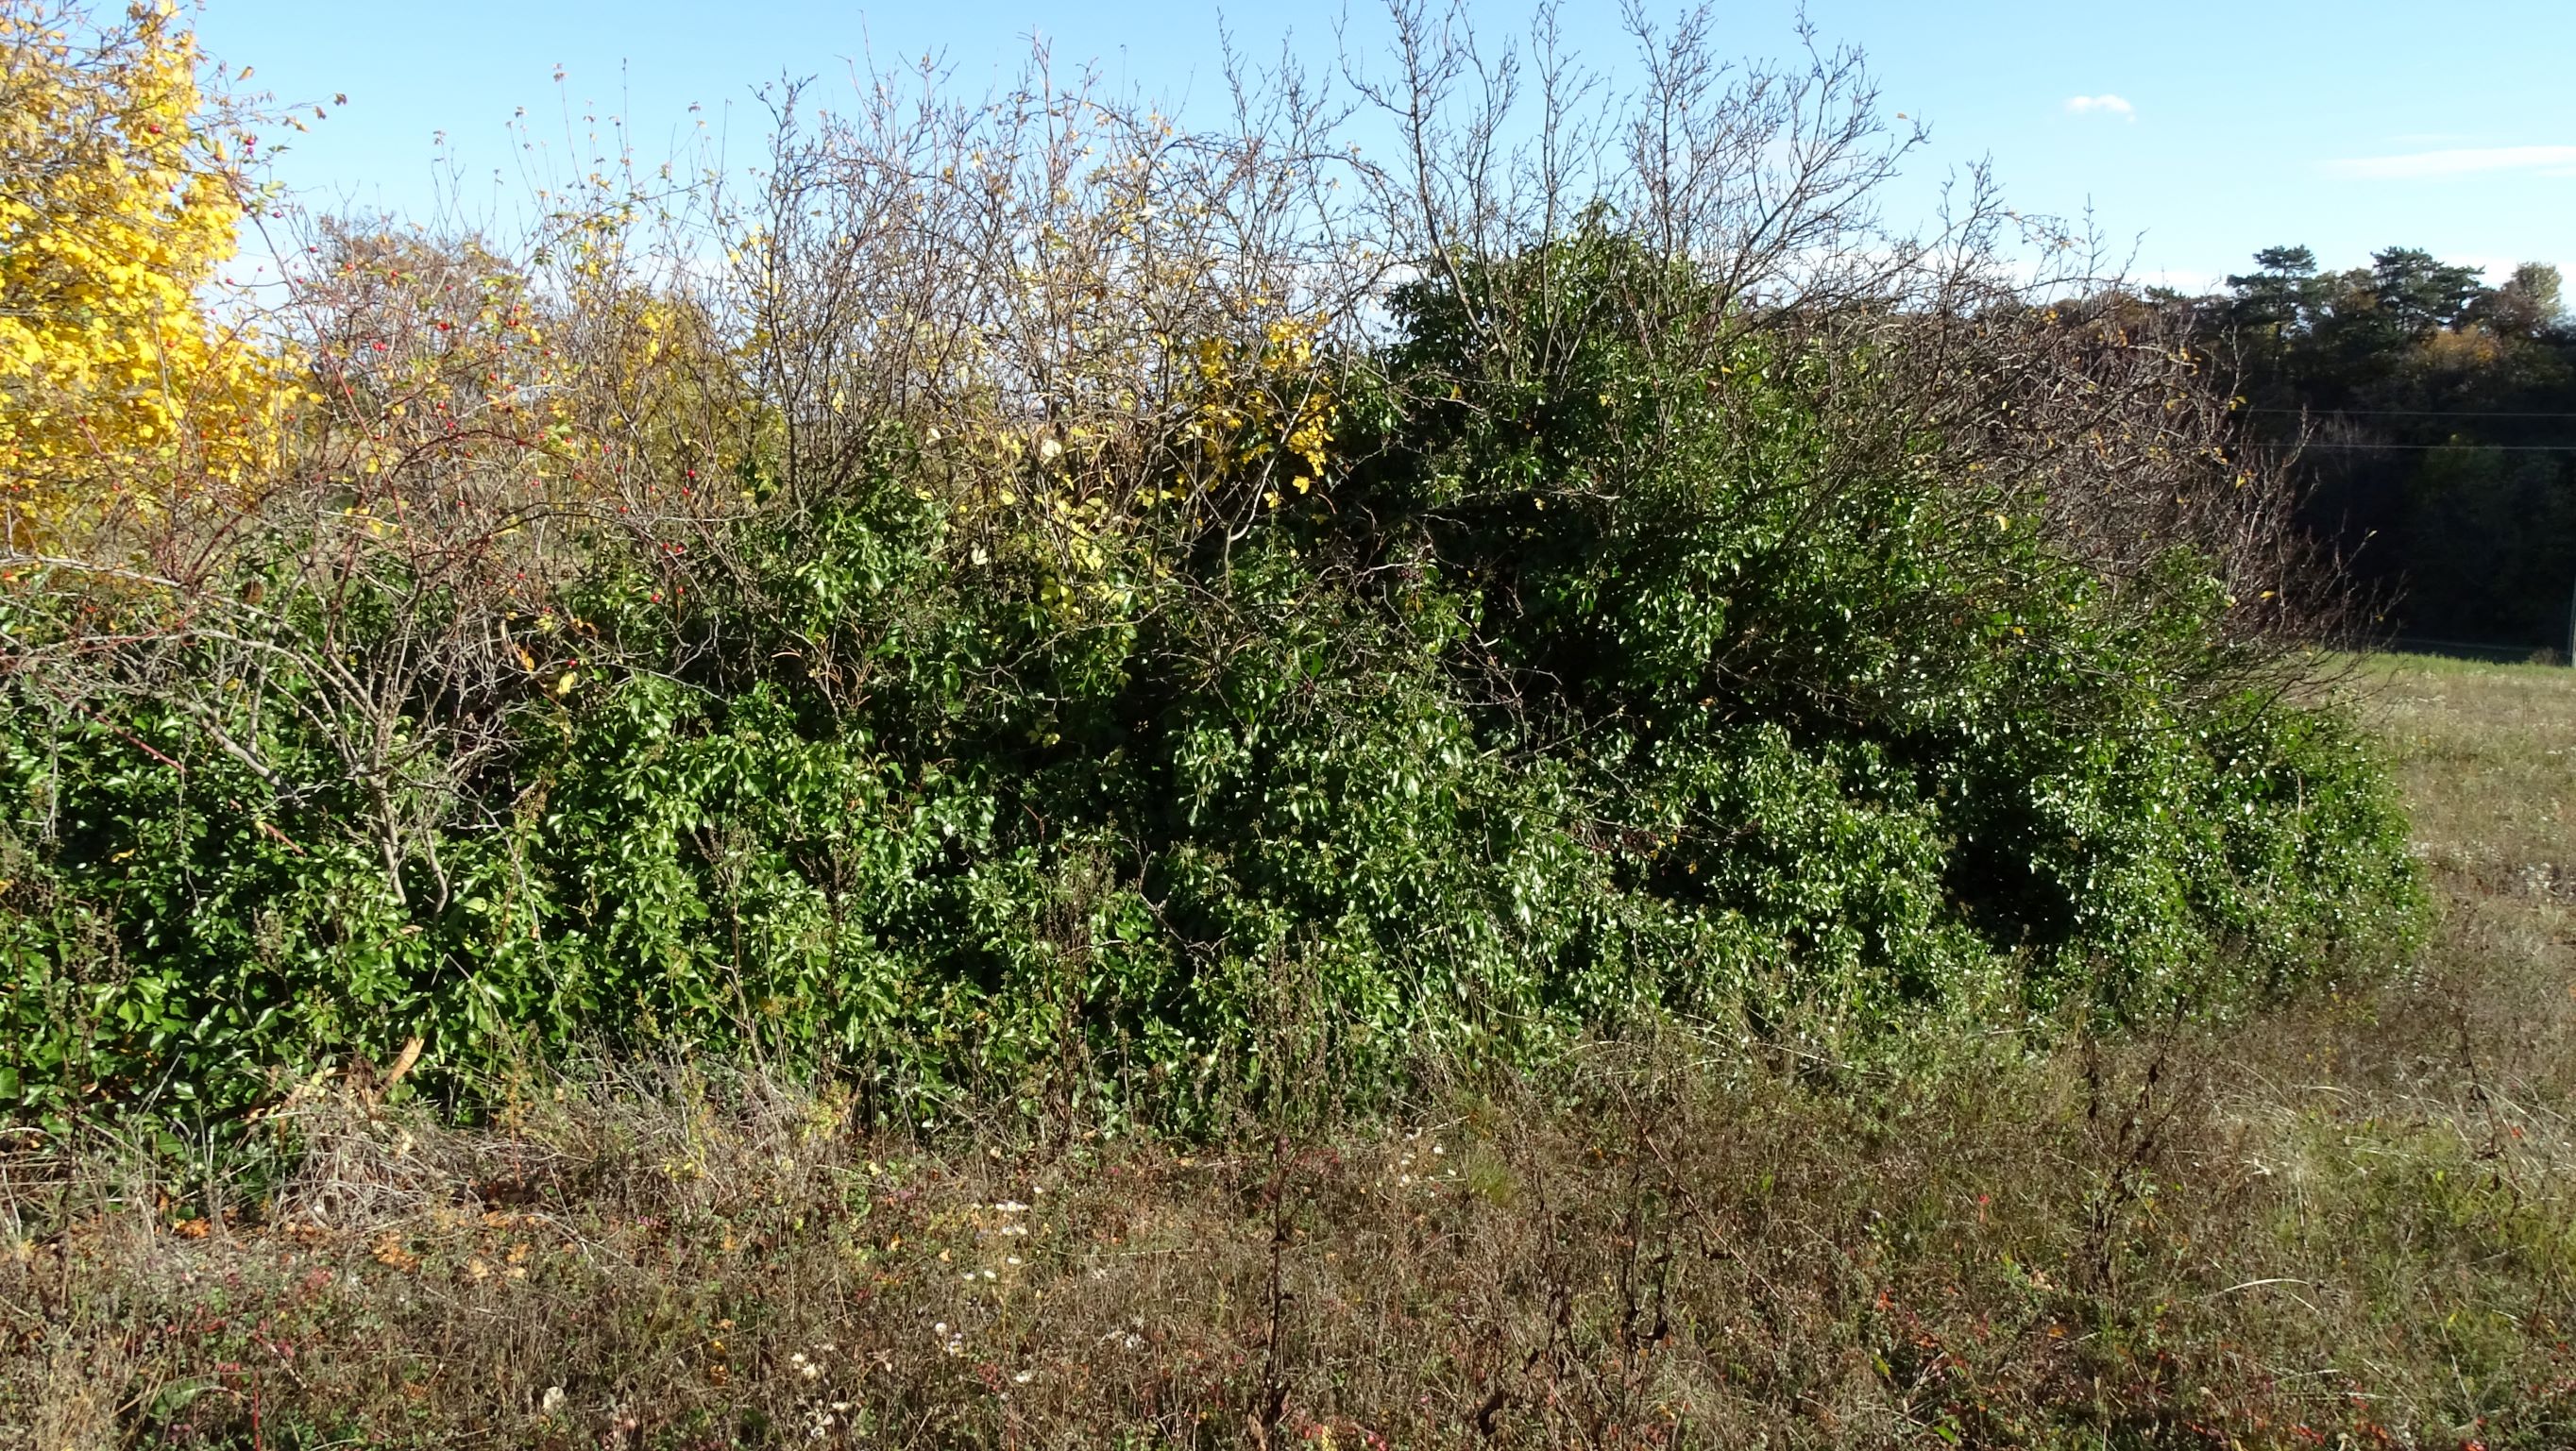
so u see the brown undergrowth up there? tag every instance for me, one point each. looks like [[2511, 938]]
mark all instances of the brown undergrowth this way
[[2346, 1222]]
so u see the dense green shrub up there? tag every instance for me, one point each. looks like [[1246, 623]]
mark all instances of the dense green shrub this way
[[1618, 669]]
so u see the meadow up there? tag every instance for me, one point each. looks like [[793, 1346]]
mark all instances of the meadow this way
[[2343, 1219]]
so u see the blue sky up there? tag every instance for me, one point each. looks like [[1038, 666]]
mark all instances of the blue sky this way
[[2199, 130]]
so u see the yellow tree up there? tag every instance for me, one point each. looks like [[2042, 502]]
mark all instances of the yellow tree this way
[[121, 193]]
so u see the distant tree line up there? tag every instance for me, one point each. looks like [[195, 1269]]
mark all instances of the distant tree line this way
[[2433, 420]]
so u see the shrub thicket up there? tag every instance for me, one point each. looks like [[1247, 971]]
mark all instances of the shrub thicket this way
[[1087, 630]]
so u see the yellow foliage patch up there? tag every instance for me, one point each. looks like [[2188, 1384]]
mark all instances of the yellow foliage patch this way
[[120, 196]]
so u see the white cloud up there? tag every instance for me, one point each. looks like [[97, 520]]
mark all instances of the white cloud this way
[[2411, 165], [2183, 280], [2105, 103]]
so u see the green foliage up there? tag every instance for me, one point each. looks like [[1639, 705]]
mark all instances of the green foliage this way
[[1616, 675]]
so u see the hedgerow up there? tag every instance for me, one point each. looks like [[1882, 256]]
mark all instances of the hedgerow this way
[[1116, 717]]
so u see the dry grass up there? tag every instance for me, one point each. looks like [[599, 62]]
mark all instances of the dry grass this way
[[2346, 1223]]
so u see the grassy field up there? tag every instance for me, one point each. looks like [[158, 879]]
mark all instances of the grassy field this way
[[2345, 1223]]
